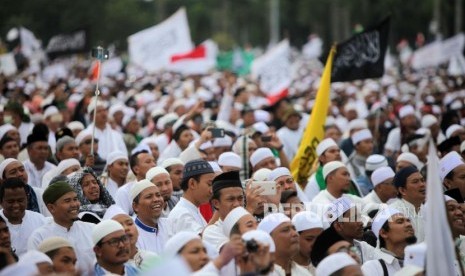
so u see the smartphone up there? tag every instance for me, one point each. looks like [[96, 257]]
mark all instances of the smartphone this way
[[268, 187], [217, 132], [266, 138]]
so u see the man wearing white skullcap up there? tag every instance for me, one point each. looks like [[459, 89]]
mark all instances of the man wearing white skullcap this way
[[175, 166], [394, 232], [451, 172], [384, 189], [355, 125], [62, 254], [372, 163], [263, 158], [338, 184], [407, 159], [309, 226], [161, 178], [260, 256], [455, 218], [117, 172], [75, 127], [455, 130], [147, 203], [327, 151], [338, 264], [430, 122], [111, 247], [286, 240], [222, 145], [283, 177], [229, 161], [43, 262], [363, 148], [408, 123]]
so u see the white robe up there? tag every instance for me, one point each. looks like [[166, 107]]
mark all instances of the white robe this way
[[295, 270], [185, 216], [172, 150], [112, 187], [214, 235], [312, 189], [290, 139], [122, 198], [110, 140], [151, 239], [35, 176], [373, 267]]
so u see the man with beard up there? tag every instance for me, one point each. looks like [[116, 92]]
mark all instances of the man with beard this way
[[63, 203], [286, 239], [111, 247], [147, 203], [161, 178], [394, 232]]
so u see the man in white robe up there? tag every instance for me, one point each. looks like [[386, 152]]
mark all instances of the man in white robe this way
[[37, 165]]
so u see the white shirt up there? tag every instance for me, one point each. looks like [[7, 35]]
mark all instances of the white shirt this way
[[324, 198], [416, 218], [152, 239], [290, 139], [79, 235], [112, 187], [295, 270], [372, 201], [373, 267], [312, 189], [185, 216], [21, 232], [34, 175], [122, 198], [214, 235], [172, 150], [110, 140], [393, 140]]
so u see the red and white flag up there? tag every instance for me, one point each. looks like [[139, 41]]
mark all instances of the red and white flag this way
[[152, 48], [199, 60], [273, 71]]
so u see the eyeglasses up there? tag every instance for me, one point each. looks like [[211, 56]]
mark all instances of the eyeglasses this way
[[116, 241], [88, 142]]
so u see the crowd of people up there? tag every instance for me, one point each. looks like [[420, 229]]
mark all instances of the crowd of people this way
[[163, 173]]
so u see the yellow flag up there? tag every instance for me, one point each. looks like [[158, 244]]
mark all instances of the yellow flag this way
[[315, 130]]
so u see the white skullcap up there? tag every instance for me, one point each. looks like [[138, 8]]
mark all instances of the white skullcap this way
[[448, 163], [53, 243], [51, 110], [92, 105], [116, 155], [261, 127], [337, 208], [113, 211], [428, 120], [5, 128], [415, 255], [278, 172], [361, 135], [261, 175], [65, 164], [261, 116], [4, 164], [150, 174], [333, 263], [261, 237], [206, 145], [448, 198], [271, 221], [381, 174], [331, 166], [171, 161], [149, 140], [230, 159], [82, 135], [104, 228], [381, 217], [259, 155], [324, 145], [406, 110], [232, 218], [170, 117], [178, 241], [409, 157], [127, 119], [139, 186], [358, 124], [141, 147], [306, 220], [225, 141], [216, 168], [75, 125], [451, 129], [115, 108], [375, 161], [34, 257]]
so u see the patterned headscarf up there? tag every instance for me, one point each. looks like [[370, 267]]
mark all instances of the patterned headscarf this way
[[105, 199]]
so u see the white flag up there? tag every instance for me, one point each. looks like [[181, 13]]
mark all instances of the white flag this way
[[273, 69], [199, 60], [438, 52], [7, 64], [29, 43], [440, 255], [152, 48]]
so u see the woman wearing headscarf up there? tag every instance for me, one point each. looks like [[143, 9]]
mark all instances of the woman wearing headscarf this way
[[91, 193]]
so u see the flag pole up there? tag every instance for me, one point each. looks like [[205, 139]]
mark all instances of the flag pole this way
[[97, 94]]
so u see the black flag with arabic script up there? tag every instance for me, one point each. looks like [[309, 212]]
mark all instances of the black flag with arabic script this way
[[362, 56]]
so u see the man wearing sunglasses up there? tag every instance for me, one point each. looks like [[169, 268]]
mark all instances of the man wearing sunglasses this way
[[111, 247]]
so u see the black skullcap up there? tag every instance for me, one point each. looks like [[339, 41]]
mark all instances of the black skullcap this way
[[196, 167], [455, 194], [322, 243], [227, 180], [36, 137], [5, 140], [400, 179], [447, 145], [63, 132]]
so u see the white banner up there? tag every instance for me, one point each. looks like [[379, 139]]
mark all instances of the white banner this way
[[200, 60], [152, 48], [273, 69], [29, 43], [111, 67], [438, 52], [8, 64]]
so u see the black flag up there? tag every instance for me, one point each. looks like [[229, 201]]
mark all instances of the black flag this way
[[69, 43], [362, 56]]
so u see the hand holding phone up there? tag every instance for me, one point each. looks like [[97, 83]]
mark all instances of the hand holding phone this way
[[217, 132]]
